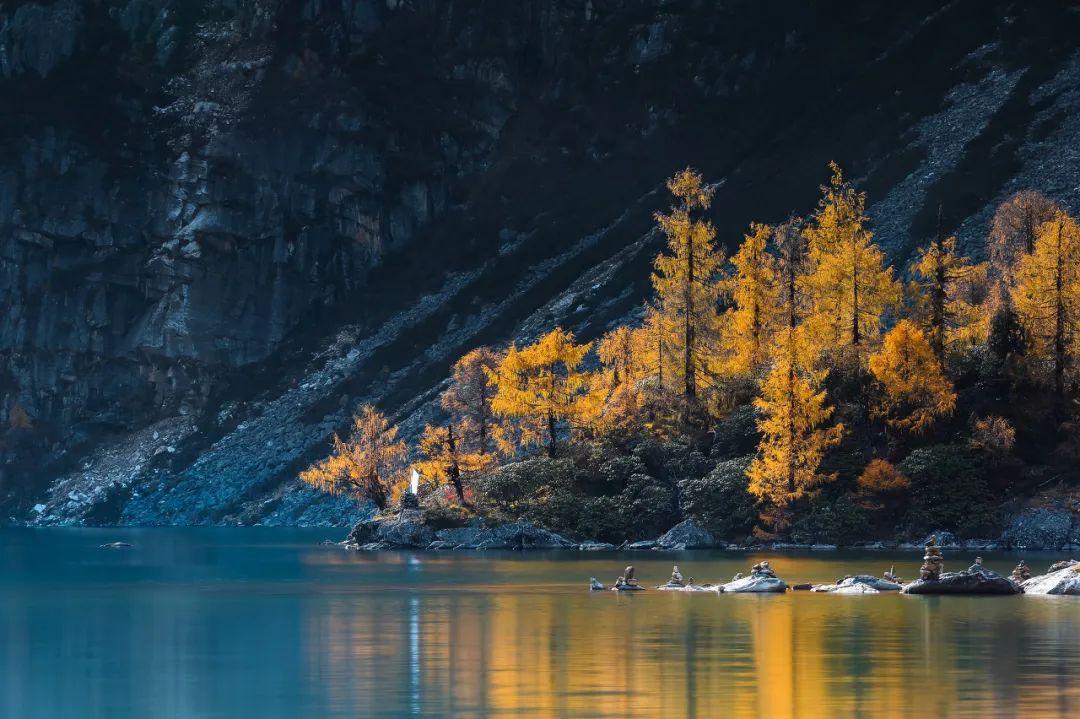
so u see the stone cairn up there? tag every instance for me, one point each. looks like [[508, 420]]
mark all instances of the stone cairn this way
[[408, 500], [627, 581], [762, 569], [676, 577], [1021, 573], [933, 562]]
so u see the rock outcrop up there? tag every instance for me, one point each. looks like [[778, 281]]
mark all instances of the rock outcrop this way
[[1040, 529], [687, 534]]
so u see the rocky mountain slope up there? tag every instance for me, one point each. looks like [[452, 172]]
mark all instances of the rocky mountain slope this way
[[224, 225]]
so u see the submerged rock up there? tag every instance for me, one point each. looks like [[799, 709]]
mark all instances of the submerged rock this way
[[596, 547], [115, 545], [855, 589], [1065, 580], [859, 580]]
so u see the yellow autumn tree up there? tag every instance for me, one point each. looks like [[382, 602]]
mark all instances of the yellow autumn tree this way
[[686, 282], [755, 315], [916, 391], [1047, 296], [949, 292], [445, 459], [794, 438], [849, 286], [468, 398], [882, 477], [1014, 229], [544, 391], [623, 355], [366, 465], [792, 264]]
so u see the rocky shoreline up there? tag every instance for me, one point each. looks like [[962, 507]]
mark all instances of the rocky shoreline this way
[[410, 529]]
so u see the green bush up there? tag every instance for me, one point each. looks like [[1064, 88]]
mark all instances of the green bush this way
[[949, 491], [720, 501], [515, 488], [831, 520]]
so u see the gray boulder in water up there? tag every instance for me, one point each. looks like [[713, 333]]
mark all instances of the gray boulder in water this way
[[1063, 581], [973, 580], [595, 585], [859, 580]]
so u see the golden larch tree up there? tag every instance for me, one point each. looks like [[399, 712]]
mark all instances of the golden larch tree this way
[[1014, 229], [686, 280], [468, 398], [544, 389], [849, 286], [366, 464], [794, 438], [445, 458], [949, 296], [916, 390], [1047, 295], [756, 313], [623, 354]]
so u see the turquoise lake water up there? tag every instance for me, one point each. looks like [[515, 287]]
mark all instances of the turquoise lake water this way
[[268, 623]]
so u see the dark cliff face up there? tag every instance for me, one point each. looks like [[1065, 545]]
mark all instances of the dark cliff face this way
[[224, 224]]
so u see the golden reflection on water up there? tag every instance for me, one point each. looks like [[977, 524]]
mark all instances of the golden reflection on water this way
[[557, 651]]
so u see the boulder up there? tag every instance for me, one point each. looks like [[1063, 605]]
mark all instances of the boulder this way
[[687, 534], [690, 588], [755, 583], [973, 580], [1061, 565], [595, 585], [863, 580], [643, 544], [855, 589], [1040, 529], [596, 547], [1063, 581], [406, 533]]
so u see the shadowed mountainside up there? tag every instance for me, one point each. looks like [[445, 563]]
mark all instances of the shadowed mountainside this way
[[223, 226]]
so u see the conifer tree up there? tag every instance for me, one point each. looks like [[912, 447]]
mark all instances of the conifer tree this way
[[793, 262], [468, 398], [849, 286], [794, 438], [949, 293], [1014, 229], [366, 465], [544, 387], [445, 458], [623, 354], [1047, 295], [750, 325], [916, 390], [686, 281]]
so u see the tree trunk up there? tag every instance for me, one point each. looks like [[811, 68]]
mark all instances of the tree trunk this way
[[455, 469], [1059, 318], [688, 349], [551, 434]]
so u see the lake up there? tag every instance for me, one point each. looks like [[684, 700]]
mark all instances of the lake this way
[[268, 623]]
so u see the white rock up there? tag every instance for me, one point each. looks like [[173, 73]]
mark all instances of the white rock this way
[[755, 584], [1063, 581]]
